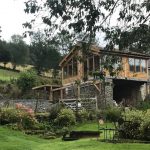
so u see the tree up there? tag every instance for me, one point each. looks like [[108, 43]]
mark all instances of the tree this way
[[44, 55], [27, 80], [18, 50], [129, 31], [4, 53], [0, 32]]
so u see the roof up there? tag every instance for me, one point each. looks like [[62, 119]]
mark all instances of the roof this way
[[101, 50]]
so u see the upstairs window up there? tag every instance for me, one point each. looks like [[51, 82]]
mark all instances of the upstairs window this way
[[131, 64], [143, 65], [71, 68], [137, 65]]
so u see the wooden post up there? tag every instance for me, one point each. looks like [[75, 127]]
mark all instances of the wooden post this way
[[61, 94], [51, 94], [96, 103], [93, 63], [36, 105], [87, 66]]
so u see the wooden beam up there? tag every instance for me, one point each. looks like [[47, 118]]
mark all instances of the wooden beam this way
[[93, 63], [61, 94], [97, 88]]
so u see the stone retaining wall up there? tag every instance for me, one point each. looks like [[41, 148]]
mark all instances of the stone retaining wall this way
[[42, 105]]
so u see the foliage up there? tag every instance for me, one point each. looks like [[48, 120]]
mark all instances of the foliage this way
[[113, 114], [143, 105], [4, 53], [27, 80], [42, 117], [44, 55], [65, 118], [136, 125], [92, 115], [82, 115], [54, 111], [7, 75], [18, 50], [145, 126], [8, 116], [21, 115], [129, 30]]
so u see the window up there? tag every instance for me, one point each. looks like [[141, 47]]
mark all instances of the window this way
[[143, 65], [75, 67], [65, 72], [137, 65], [97, 62], [131, 64], [91, 64], [71, 68]]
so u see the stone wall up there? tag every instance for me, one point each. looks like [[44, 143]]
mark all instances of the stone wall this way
[[88, 90], [42, 105], [109, 92]]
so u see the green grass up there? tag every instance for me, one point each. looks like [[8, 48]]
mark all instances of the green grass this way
[[6, 75], [14, 140]]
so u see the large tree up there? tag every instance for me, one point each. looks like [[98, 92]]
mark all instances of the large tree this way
[[18, 50], [44, 54], [4, 53], [130, 30]]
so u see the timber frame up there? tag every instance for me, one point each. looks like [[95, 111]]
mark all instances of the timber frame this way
[[77, 72]]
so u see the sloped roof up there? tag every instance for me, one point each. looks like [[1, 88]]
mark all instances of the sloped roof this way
[[101, 50]]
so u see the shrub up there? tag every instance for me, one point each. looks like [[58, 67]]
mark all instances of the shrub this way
[[145, 126], [8, 115], [112, 114], [21, 115], [27, 80], [82, 115], [65, 118], [143, 105], [54, 111], [130, 129], [42, 117], [92, 115]]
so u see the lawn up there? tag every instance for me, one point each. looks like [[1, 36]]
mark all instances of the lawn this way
[[14, 140], [6, 75]]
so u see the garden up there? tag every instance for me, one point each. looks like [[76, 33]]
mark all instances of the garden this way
[[21, 128]]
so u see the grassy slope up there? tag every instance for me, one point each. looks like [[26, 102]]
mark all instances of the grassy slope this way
[[12, 140], [7, 74]]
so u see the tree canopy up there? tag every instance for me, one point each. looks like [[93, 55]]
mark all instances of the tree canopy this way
[[124, 22], [4, 53], [44, 54], [18, 50]]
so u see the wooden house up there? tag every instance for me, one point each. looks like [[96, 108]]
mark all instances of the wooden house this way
[[127, 87]]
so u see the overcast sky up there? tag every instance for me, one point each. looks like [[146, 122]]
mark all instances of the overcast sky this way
[[11, 17]]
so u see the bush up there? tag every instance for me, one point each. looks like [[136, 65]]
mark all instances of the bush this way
[[112, 114], [8, 115], [145, 126], [143, 105], [131, 128], [27, 80], [92, 115], [54, 111], [65, 118], [21, 115], [82, 116], [42, 117]]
